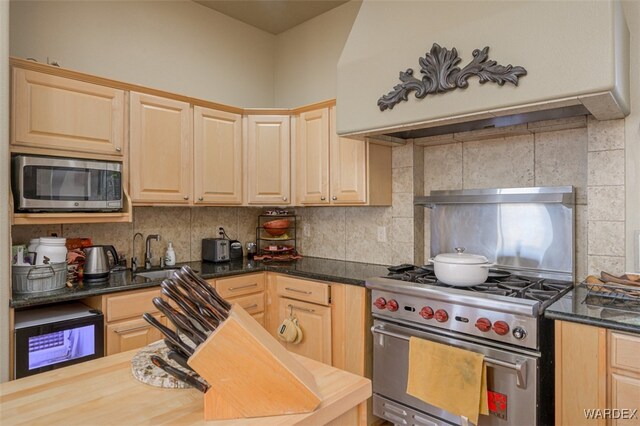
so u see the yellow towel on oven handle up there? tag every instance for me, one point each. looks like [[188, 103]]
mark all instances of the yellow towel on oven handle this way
[[449, 378]]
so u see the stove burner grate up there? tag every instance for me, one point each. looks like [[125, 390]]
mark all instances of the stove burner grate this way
[[499, 283]]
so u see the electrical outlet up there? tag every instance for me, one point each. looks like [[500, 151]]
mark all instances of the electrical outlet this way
[[220, 231], [382, 234], [306, 230]]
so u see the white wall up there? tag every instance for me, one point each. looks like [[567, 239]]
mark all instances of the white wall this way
[[5, 241], [307, 56], [632, 138], [177, 46]]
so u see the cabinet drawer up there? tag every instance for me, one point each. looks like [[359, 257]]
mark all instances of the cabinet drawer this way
[[130, 305], [308, 291], [624, 351], [135, 333], [252, 303], [240, 285]]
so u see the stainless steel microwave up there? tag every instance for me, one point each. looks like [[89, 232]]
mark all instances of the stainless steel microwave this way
[[66, 184]]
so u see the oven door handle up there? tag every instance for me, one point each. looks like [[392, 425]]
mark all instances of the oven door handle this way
[[520, 366]]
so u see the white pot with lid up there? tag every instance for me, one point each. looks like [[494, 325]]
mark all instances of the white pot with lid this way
[[461, 269], [51, 250]]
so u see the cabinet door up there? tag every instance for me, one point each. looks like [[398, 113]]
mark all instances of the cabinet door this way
[[625, 395], [268, 161], [131, 334], [312, 165], [60, 114], [217, 157], [160, 150], [348, 168], [315, 322], [581, 371]]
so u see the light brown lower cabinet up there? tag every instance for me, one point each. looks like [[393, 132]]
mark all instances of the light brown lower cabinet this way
[[131, 334], [247, 290], [335, 319], [315, 323], [124, 328], [597, 376]]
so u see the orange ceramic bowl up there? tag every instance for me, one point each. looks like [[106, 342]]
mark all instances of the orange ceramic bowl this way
[[275, 228]]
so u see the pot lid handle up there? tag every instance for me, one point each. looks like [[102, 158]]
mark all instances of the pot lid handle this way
[[459, 250]]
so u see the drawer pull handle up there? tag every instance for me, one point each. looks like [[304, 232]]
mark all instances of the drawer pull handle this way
[[295, 290], [243, 286], [255, 305], [128, 330], [298, 308]]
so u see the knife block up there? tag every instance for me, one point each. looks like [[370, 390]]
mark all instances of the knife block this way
[[250, 373]]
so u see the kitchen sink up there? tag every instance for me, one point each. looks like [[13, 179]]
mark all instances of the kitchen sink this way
[[156, 275]]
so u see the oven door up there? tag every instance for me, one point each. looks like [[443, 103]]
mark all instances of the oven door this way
[[511, 379]]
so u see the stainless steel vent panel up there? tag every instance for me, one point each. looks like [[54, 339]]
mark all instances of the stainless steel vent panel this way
[[528, 234]]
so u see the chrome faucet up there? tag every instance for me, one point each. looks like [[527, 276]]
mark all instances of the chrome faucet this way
[[147, 253], [134, 258]]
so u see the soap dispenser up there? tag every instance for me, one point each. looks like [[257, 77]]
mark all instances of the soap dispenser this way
[[170, 256]]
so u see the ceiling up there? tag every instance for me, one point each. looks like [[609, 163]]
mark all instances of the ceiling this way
[[274, 16]]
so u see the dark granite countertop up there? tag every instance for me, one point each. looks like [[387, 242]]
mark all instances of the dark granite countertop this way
[[338, 271], [575, 307]]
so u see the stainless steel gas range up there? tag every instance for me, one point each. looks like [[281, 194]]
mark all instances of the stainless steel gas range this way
[[529, 234]]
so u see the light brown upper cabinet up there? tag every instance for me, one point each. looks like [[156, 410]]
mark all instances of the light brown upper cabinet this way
[[51, 114], [349, 168], [217, 157], [160, 153], [312, 156], [268, 161], [336, 170]]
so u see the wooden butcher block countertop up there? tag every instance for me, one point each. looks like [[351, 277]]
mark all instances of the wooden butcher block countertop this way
[[103, 392]]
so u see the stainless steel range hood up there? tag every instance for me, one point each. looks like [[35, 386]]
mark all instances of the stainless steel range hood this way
[[576, 55]]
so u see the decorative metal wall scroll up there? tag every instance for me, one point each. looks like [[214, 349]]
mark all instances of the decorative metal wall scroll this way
[[442, 75]]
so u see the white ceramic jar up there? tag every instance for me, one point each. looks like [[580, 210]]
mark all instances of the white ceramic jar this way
[[31, 250], [53, 248]]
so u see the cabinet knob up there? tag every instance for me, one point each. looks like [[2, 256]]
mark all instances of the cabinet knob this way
[[323, 198], [284, 198], [118, 149], [186, 197], [200, 198], [334, 198]]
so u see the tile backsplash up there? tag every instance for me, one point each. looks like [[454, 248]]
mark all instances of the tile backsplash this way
[[590, 158], [185, 227]]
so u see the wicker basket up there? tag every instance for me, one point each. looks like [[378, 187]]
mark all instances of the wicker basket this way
[[38, 279]]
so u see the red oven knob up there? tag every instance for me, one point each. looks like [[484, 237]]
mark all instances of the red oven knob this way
[[501, 328], [441, 315], [483, 324], [380, 303], [426, 312], [392, 305]]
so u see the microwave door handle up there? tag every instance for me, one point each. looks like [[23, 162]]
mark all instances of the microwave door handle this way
[[520, 366]]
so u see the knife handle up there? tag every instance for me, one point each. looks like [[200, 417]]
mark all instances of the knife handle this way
[[180, 375], [174, 295], [182, 361], [180, 325], [168, 333]]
